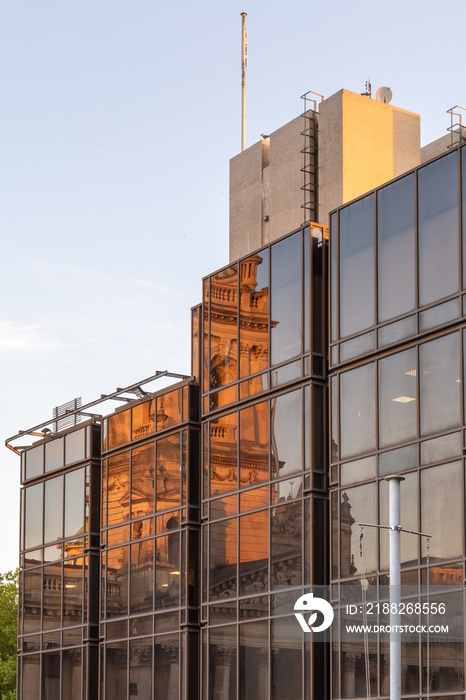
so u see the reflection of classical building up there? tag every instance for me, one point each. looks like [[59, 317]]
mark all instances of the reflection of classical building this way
[[163, 546]]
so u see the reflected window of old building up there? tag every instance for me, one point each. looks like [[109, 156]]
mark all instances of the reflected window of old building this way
[[168, 472], [224, 455], [254, 314], [143, 419], [223, 365], [142, 480], [118, 488], [117, 582]]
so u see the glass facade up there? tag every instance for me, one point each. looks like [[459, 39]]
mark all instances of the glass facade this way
[[164, 546], [397, 358]]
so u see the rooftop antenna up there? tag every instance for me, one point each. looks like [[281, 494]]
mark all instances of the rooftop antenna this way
[[244, 63], [368, 88]]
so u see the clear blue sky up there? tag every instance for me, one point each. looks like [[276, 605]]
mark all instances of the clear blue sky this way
[[117, 123]]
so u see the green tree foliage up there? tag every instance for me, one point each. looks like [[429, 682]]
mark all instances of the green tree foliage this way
[[8, 632]]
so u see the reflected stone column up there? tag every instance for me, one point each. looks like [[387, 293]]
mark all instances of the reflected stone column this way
[[172, 652], [223, 664]]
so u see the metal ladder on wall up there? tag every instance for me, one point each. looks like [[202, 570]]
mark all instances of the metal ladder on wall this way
[[309, 151], [456, 128]]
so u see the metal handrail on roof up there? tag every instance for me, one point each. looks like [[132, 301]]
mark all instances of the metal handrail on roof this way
[[117, 395]]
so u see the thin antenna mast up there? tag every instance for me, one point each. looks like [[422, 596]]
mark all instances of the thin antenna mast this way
[[244, 63]]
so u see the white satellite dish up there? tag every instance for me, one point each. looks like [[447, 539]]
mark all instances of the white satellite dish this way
[[384, 94]]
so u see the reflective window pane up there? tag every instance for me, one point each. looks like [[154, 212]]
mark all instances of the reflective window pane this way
[[224, 327], [118, 488], [358, 505], [167, 569], [53, 510], [254, 314], [142, 576], [117, 581], [442, 510], [73, 598], [50, 676], [74, 503], [54, 454], [140, 668], [72, 674], [168, 478], [118, 428], [34, 461], [167, 667], [397, 398], [33, 516], [356, 241], [286, 299], [440, 384], [286, 658], [143, 419], [396, 248], [222, 559], [223, 455], [438, 229], [286, 421], [222, 663], [357, 411], [115, 671], [143, 476], [254, 552], [286, 543], [52, 592], [253, 661], [254, 444], [75, 446]]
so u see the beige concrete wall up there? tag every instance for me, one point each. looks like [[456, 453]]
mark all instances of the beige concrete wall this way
[[246, 199], [436, 148], [362, 144]]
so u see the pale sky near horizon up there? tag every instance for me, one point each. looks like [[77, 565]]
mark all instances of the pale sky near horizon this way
[[118, 120]]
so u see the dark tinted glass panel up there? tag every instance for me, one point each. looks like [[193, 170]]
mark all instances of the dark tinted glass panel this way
[[142, 576], [254, 314], [167, 569], [50, 676], [463, 196], [396, 248], [440, 384], [287, 434], [167, 667], [168, 478], [307, 290], [30, 676], [53, 511], [446, 655], [143, 417], [72, 674], [357, 411], [438, 229], [253, 661], [361, 470], [143, 476], [51, 601], [74, 503], [75, 446], [118, 488], [223, 555], [356, 242], [224, 327], [117, 581], [140, 668], [286, 657], [439, 315], [115, 671], [286, 307], [334, 438], [34, 462], [442, 510], [254, 444], [73, 592], [222, 663], [286, 543], [358, 505], [397, 398], [441, 448], [33, 516], [223, 455], [254, 552], [54, 454]]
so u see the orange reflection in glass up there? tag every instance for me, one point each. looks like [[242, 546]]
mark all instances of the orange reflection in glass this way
[[223, 365], [254, 552], [254, 444], [168, 472], [118, 488], [119, 428], [169, 409], [143, 419], [254, 314], [223, 455], [142, 484]]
